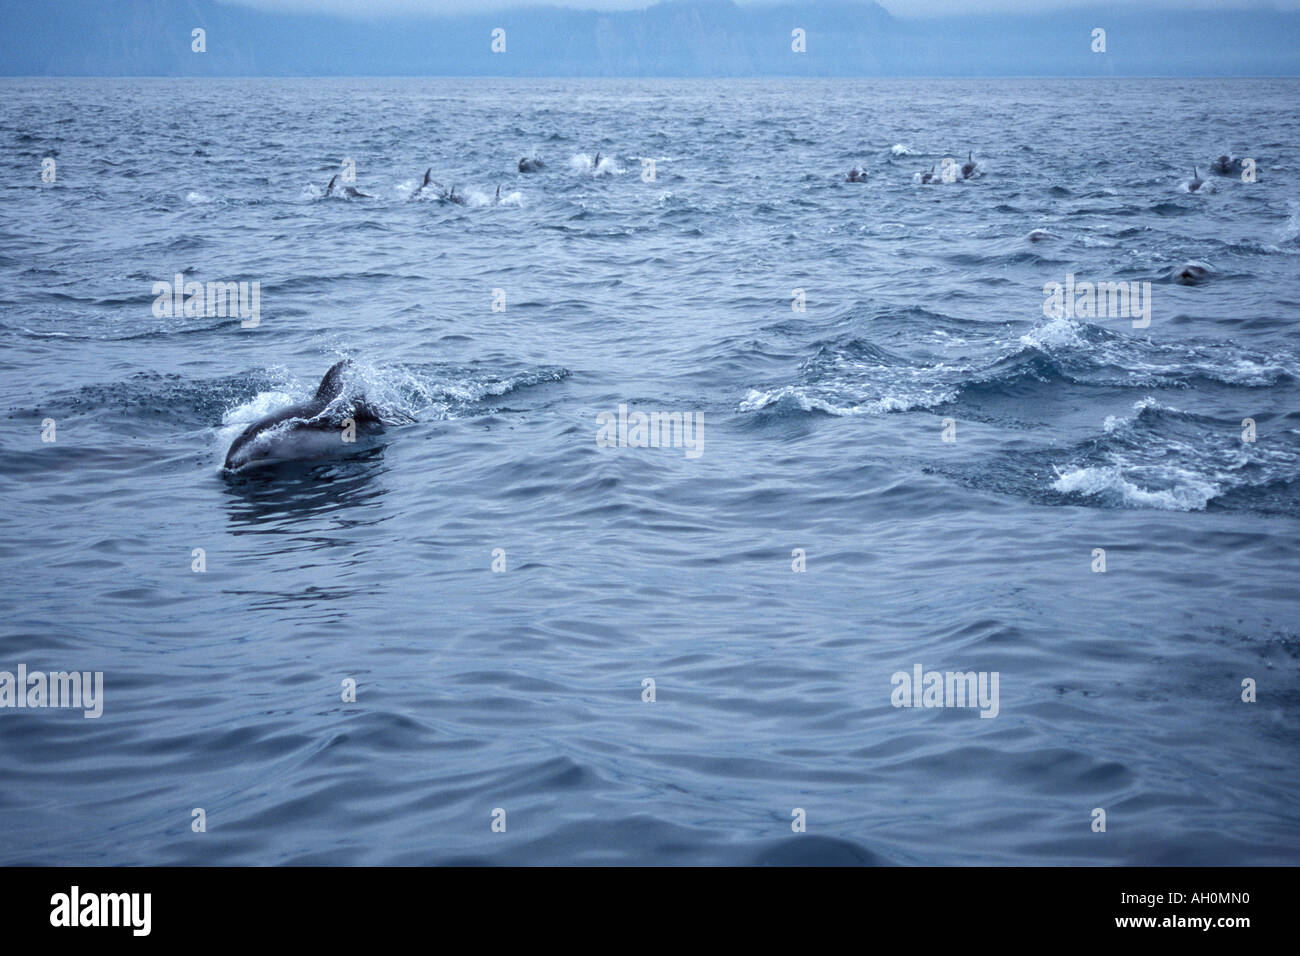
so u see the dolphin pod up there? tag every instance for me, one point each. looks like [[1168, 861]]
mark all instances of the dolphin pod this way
[[1224, 165], [429, 185]]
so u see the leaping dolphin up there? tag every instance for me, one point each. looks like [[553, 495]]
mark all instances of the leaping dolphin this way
[[530, 164], [968, 167], [928, 177], [1197, 182], [856, 176], [307, 430], [348, 191]]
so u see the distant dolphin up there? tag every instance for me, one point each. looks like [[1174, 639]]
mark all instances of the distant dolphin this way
[[968, 167], [530, 164], [928, 177], [1197, 182], [307, 430], [1192, 273], [424, 185], [444, 193], [345, 190], [856, 175], [1226, 166]]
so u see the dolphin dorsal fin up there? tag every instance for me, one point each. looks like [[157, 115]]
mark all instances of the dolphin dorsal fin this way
[[331, 386], [427, 173], [330, 188]]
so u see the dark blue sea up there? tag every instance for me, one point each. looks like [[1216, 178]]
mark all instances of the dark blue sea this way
[[907, 464]]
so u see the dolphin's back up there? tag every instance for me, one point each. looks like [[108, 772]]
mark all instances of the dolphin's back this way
[[306, 412], [299, 431], [331, 386]]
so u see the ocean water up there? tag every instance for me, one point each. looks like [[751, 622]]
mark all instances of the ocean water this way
[[519, 694]]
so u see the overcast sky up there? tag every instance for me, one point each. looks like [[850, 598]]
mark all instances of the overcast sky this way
[[902, 8]]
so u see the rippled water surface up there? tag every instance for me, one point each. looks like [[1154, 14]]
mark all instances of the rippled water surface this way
[[823, 431]]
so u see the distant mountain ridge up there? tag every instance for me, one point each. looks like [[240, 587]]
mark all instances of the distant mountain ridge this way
[[676, 38]]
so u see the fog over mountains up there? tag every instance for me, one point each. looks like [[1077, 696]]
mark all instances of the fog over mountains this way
[[676, 38]]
